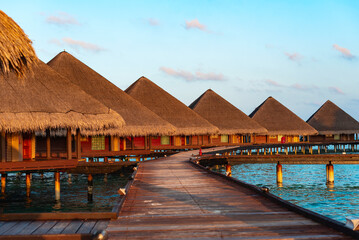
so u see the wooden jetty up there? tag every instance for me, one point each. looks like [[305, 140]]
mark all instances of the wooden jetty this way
[[172, 198]]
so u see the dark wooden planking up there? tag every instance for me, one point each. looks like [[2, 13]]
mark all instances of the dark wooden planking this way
[[86, 227], [72, 227], [99, 226], [6, 226], [17, 228], [32, 227], [58, 227], [44, 228]]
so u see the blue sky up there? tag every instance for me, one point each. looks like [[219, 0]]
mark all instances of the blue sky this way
[[300, 52]]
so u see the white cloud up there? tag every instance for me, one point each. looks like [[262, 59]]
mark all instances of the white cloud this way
[[76, 44], [190, 77], [344, 51], [62, 18]]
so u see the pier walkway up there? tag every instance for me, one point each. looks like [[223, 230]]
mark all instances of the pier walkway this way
[[171, 198]]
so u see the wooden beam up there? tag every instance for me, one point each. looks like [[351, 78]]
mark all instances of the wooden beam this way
[[48, 144], [78, 144], [69, 144], [3, 147]]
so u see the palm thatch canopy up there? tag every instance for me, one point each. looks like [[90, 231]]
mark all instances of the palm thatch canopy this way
[[225, 116], [330, 119], [16, 51], [279, 120], [169, 108], [44, 99], [140, 121]]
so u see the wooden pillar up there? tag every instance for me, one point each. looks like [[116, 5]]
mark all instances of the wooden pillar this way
[[228, 170], [319, 149], [89, 188], [78, 144], [28, 184], [48, 144], [147, 140], [279, 173], [330, 175], [3, 147], [69, 144], [57, 186], [3, 182], [132, 143]]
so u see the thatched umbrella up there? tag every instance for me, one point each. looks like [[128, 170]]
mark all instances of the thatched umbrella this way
[[140, 121], [44, 99], [222, 114], [169, 108], [279, 120], [330, 119], [16, 52]]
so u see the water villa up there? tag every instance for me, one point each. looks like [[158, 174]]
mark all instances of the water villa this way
[[235, 127], [282, 124], [191, 128], [333, 124], [141, 123]]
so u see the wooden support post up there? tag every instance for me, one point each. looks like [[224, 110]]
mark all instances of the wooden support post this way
[[89, 188], [326, 149], [279, 174], [78, 144], [295, 150], [319, 149], [286, 151], [57, 186], [3, 147], [28, 184], [48, 144], [69, 144], [264, 151], [330, 179], [3, 183], [228, 170], [69, 178], [335, 148], [105, 178], [271, 151]]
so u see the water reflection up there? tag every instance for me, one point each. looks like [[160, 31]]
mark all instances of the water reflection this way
[[305, 185]]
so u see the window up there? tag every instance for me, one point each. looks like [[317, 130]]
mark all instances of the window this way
[[224, 138], [165, 140], [337, 137], [98, 143]]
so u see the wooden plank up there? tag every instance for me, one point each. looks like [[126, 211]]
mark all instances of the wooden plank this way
[[99, 226], [58, 216], [44, 228], [87, 227], [58, 227], [32, 227], [8, 225], [17, 228], [72, 227]]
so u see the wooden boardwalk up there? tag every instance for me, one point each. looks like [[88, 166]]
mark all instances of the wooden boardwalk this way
[[173, 199], [60, 229]]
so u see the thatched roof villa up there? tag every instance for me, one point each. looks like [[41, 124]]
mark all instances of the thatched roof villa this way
[[229, 119], [333, 124], [187, 122], [282, 124], [140, 121], [36, 98]]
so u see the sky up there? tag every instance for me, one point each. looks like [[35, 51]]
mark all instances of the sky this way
[[300, 52]]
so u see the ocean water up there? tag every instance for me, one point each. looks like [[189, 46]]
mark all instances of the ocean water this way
[[305, 185], [73, 194]]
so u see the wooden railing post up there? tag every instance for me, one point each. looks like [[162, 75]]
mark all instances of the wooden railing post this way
[[48, 144], [69, 144], [78, 144]]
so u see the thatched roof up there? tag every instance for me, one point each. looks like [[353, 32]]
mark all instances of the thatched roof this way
[[169, 108], [330, 119], [44, 99], [16, 52], [279, 120], [225, 116], [140, 121]]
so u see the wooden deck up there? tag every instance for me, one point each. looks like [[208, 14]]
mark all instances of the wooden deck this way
[[60, 229], [173, 199]]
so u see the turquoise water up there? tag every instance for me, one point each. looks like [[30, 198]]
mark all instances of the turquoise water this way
[[73, 194], [305, 185]]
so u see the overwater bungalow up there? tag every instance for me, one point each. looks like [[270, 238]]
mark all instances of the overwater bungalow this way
[[142, 124], [235, 127], [282, 124], [333, 124], [37, 99], [191, 128]]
